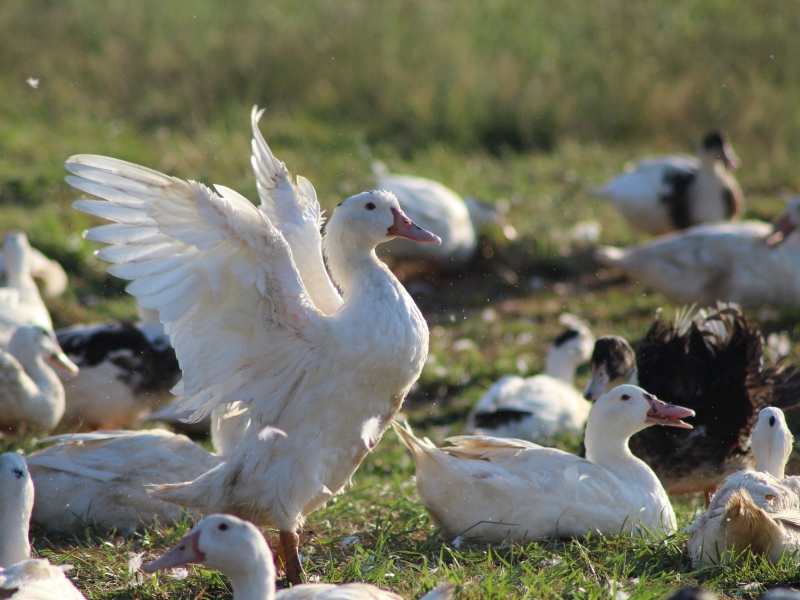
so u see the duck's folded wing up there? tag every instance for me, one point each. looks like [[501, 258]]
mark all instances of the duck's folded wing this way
[[219, 273], [295, 211]]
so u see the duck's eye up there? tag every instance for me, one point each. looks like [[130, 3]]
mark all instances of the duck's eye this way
[[370, 206], [772, 421], [625, 397], [18, 473], [223, 527]]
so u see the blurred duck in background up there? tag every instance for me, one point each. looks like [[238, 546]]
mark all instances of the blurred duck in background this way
[[535, 408], [666, 193], [750, 263], [31, 394], [126, 371]]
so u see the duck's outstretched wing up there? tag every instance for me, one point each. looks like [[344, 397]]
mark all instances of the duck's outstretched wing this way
[[295, 211], [219, 273]]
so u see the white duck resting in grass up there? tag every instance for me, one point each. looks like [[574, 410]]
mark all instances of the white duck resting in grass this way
[[31, 394], [23, 578], [437, 208], [535, 408], [665, 193], [47, 272], [712, 362], [20, 300], [237, 549], [497, 489], [101, 478], [753, 511], [126, 371], [260, 329], [751, 263]]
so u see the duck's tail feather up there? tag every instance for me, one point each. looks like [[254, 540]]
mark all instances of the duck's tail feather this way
[[747, 525]]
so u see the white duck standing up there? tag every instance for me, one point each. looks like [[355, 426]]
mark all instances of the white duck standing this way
[[260, 329], [498, 489], [666, 193], [535, 408], [23, 578], [237, 549], [102, 478], [750, 263], [437, 208], [126, 371], [31, 394], [756, 510], [20, 300]]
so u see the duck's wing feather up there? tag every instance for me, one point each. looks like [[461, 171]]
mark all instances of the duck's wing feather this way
[[37, 579], [295, 211], [220, 274]]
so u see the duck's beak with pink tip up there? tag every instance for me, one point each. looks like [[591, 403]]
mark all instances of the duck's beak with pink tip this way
[[405, 228], [661, 413]]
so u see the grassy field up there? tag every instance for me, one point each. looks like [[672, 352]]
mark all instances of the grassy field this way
[[528, 104]]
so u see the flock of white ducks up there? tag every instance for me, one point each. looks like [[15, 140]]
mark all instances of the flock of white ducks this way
[[302, 369]]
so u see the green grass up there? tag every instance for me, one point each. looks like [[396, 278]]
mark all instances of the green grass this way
[[527, 103]]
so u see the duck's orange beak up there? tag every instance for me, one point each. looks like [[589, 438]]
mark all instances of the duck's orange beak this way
[[405, 228]]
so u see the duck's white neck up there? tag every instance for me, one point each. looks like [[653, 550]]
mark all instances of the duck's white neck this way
[[353, 265], [254, 578], [559, 364], [771, 459], [607, 446], [14, 545]]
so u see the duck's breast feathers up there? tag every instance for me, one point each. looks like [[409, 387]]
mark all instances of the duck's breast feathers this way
[[220, 274], [295, 211]]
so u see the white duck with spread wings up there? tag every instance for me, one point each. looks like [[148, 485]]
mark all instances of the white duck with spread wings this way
[[259, 327]]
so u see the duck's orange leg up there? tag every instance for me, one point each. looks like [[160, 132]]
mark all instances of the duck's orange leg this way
[[288, 557]]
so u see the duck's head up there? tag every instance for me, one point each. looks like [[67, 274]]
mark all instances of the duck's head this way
[[789, 220], [32, 341], [16, 504], [613, 364], [715, 147], [628, 408], [374, 217], [573, 346], [222, 542], [772, 441]]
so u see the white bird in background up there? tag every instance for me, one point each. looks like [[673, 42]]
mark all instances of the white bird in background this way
[[48, 272], [751, 263], [259, 328], [665, 193], [23, 578], [31, 394], [237, 549]]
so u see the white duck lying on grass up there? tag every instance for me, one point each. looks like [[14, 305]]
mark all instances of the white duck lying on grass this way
[[535, 408], [497, 489], [23, 578], [752, 263], [665, 193], [31, 394], [237, 549], [260, 329], [101, 478], [753, 511]]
